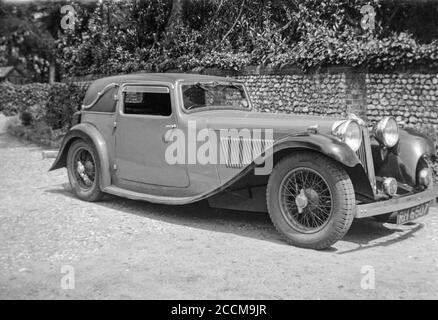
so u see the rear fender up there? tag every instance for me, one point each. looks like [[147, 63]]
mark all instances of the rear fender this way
[[89, 133]]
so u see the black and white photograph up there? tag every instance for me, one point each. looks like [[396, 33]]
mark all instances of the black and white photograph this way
[[218, 154]]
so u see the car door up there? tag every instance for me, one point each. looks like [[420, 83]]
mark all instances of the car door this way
[[145, 115]]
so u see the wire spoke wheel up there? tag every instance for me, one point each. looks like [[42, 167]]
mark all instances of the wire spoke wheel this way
[[84, 168], [310, 199], [305, 200]]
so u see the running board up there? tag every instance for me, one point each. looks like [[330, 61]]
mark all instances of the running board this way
[[133, 195], [150, 198]]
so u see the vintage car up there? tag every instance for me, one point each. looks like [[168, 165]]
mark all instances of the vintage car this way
[[180, 138]]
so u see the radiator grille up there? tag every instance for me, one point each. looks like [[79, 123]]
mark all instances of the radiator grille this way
[[365, 156], [362, 154], [240, 152]]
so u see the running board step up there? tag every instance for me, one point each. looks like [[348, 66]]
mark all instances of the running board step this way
[[147, 197]]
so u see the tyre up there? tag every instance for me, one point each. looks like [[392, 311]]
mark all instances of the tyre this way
[[83, 171], [310, 200]]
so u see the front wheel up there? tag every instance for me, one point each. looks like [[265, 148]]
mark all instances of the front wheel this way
[[83, 171], [310, 200]]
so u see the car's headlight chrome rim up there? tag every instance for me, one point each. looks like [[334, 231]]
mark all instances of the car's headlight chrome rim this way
[[386, 132], [349, 132]]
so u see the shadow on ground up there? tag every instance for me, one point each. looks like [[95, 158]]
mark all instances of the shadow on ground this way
[[364, 233]]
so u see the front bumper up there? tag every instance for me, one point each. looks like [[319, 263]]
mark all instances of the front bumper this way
[[396, 204]]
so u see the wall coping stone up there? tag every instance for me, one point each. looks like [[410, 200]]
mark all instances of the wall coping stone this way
[[285, 69]]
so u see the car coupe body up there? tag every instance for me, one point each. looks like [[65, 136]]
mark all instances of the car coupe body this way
[[124, 142]]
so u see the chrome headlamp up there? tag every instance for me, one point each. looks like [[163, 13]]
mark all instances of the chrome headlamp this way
[[386, 132], [349, 132]]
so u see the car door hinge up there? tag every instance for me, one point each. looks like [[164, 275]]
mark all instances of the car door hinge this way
[[115, 124]]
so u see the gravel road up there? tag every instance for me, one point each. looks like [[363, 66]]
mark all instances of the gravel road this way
[[123, 249]]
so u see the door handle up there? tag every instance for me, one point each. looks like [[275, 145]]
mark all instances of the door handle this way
[[168, 133]]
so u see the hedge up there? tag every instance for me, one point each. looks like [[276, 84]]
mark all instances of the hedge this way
[[63, 101], [38, 102], [15, 99], [45, 111]]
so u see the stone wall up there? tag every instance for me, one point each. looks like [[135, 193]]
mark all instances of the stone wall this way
[[411, 98], [318, 94]]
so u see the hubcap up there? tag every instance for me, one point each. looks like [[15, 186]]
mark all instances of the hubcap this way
[[305, 200], [301, 201], [84, 168]]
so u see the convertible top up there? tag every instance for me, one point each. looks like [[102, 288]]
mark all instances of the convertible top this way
[[107, 103]]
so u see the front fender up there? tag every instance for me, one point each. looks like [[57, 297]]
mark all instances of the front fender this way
[[334, 149], [91, 134], [401, 161], [322, 143]]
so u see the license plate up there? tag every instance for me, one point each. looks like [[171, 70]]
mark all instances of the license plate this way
[[410, 214]]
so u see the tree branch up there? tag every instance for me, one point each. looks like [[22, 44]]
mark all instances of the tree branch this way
[[232, 27]]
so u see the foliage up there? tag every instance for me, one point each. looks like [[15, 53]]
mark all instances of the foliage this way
[[113, 37], [44, 111], [26, 118], [15, 99], [63, 101], [156, 35], [28, 31], [38, 132], [53, 104]]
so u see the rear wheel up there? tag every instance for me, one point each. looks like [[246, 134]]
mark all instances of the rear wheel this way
[[83, 171], [310, 200]]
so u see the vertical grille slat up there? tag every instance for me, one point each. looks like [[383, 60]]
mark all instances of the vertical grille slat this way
[[366, 157], [361, 153], [239, 152]]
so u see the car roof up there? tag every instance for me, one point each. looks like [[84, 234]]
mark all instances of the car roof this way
[[159, 77], [99, 84]]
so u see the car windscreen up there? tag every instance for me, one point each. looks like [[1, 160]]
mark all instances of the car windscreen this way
[[214, 95]]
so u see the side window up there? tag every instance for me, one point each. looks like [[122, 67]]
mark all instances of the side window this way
[[147, 100]]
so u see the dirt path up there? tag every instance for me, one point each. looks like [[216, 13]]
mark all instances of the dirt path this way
[[128, 249]]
